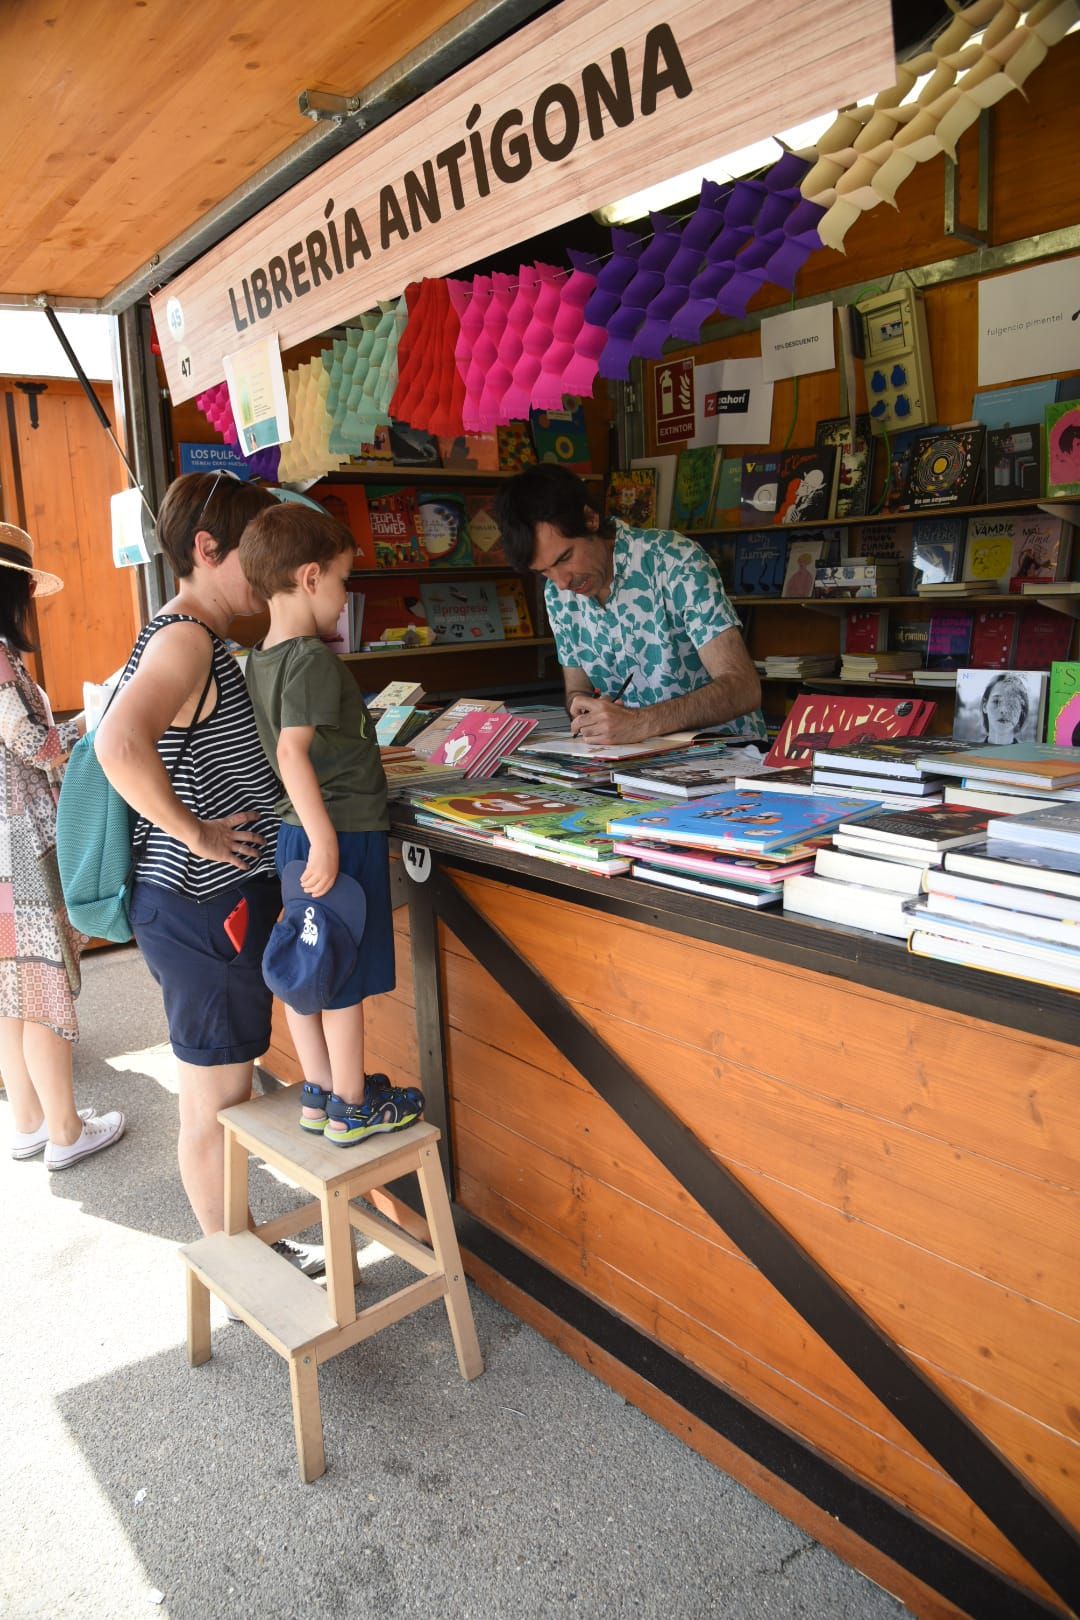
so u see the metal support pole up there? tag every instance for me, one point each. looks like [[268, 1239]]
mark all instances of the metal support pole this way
[[140, 402]]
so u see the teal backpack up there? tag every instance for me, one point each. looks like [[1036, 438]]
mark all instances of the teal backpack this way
[[94, 839]]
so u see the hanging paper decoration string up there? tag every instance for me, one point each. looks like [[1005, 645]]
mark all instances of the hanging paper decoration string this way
[[515, 398], [349, 361], [570, 361], [469, 333], [525, 391], [416, 397], [215, 406], [307, 455], [496, 337]]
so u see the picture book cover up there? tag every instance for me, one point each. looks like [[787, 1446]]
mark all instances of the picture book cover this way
[[937, 550], [389, 606], [726, 512], [988, 550], [894, 497], [855, 462], [484, 533], [443, 525], [396, 692], [938, 826], [695, 478], [1062, 432], [1000, 408], [1044, 760], [459, 612], [390, 721], [1063, 705], [993, 637], [1042, 548], [895, 756], [805, 483], [741, 820], [1013, 462], [663, 468], [760, 563], [492, 810], [412, 447], [1043, 637], [944, 468], [890, 542], [582, 828], [516, 450], [428, 741], [375, 455], [758, 487], [560, 437], [348, 504], [632, 497], [815, 721], [804, 553], [749, 869], [470, 452], [864, 630], [999, 706], [516, 618], [949, 642], [395, 527]]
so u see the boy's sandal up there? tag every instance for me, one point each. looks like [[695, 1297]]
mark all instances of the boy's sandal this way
[[314, 1097], [390, 1110]]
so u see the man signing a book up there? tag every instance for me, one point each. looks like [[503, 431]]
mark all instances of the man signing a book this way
[[644, 631]]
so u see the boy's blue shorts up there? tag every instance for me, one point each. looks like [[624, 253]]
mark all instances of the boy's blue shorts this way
[[364, 856], [216, 1002]]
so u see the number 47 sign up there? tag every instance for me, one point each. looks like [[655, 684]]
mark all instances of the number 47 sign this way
[[673, 384]]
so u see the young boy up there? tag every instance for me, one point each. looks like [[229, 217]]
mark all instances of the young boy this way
[[320, 740]]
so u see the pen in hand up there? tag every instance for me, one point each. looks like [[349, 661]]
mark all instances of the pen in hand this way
[[597, 693]]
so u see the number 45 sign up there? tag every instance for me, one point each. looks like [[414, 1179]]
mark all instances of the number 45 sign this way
[[417, 861]]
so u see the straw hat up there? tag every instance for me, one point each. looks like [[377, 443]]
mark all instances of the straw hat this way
[[45, 584]]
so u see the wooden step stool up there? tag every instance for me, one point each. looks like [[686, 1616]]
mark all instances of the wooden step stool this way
[[303, 1322]]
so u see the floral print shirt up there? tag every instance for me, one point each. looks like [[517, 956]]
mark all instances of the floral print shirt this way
[[32, 753], [667, 601]]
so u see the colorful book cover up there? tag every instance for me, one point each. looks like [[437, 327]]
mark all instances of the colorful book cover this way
[[462, 613], [1063, 449], [760, 563], [516, 618], [805, 483], [484, 532], [741, 820], [752, 870], [428, 741], [493, 810], [938, 826], [663, 468], [581, 829], [1044, 637], [1013, 462], [894, 498], [376, 455], [758, 488], [695, 480], [394, 527], [389, 606], [1063, 706], [396, 692], [949, 644], [855, 467], [1041, 551], [725, 512], [470, 452], [516, 450], [803, 556], [937, 551], [944, 469], [412, 447], [993, 637], [392, 720], [347, 503], [818, 722], [999, 706], [632, 497], [561, 437], [443, 524], [469, 738], [988, 550], [1004, 407]]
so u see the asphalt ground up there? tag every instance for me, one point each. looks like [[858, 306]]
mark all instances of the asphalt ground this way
[[133, 1485]]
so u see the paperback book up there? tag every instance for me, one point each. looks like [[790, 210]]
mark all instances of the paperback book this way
[[944, 468], [937, 551], [805, 483], [695, 478], [725, 512], [690, 778], [1063, 449], [993, 637], [817, 722], [560, 437], [516, 451], [663, 471], [747, 870], [760, 563], [1043, 637], [727, 893], [443, 526], [939, 827], [745, 822], [989, 546], [1063, 705], [632, 497], [758, 489], [900, 448], [1013, 458], [803, 556], [484, 532], [460, 613], [395, 527], [854, 463], [1034, 765], [949, 643], [1041, 550]]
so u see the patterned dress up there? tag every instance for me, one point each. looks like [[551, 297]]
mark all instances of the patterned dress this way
[[667, 601], [39, 949]]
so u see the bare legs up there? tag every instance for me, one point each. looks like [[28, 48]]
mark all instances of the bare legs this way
[[330, 1046], [36, 1065], [201, 1149]]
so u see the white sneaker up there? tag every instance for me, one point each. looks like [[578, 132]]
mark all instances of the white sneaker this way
[[100, 1131], [28, 1144]]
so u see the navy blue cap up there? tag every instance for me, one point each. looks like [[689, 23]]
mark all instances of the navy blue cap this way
[[312, 950]]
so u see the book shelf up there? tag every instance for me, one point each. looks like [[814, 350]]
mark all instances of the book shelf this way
[[399, 653], [829, 604], [917, 514], [393, 474]]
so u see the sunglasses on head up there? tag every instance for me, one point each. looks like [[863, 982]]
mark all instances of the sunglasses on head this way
[[219, 473]]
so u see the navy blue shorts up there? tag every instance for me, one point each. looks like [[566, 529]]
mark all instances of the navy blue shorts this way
[[216, 1002], [365, 856]]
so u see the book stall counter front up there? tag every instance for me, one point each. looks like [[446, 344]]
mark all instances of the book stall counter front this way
[[807, 1200]]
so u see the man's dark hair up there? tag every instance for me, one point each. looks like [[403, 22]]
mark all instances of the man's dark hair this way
[[221, 505], [16, 589], [544, 494]]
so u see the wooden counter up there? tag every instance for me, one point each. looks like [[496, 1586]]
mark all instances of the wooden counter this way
[[809, 1201]]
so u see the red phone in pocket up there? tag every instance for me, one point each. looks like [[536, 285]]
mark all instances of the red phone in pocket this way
[[236, 925]]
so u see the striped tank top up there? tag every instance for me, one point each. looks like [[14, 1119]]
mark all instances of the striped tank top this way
[[223, 770]]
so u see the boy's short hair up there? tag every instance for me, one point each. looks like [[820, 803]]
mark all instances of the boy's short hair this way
[[285, 537]]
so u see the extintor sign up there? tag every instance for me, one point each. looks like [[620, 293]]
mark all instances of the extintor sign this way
[[674, 386]]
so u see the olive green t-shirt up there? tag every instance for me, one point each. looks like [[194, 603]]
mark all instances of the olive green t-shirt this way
[[302, 683]]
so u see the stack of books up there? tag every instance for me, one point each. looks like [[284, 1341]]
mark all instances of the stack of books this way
[[878, 864], [697, 774], [1010, 905], [1008, 779], [872, 666], [479, 742], [800, 666], [858, 577], [899, 773]]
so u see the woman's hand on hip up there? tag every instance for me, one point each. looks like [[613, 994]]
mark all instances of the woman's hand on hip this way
[[230, 841]]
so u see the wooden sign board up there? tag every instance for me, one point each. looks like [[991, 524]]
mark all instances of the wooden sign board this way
[[594, 100]]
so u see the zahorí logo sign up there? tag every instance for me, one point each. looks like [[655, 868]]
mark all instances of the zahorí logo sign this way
[[583, 104]]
